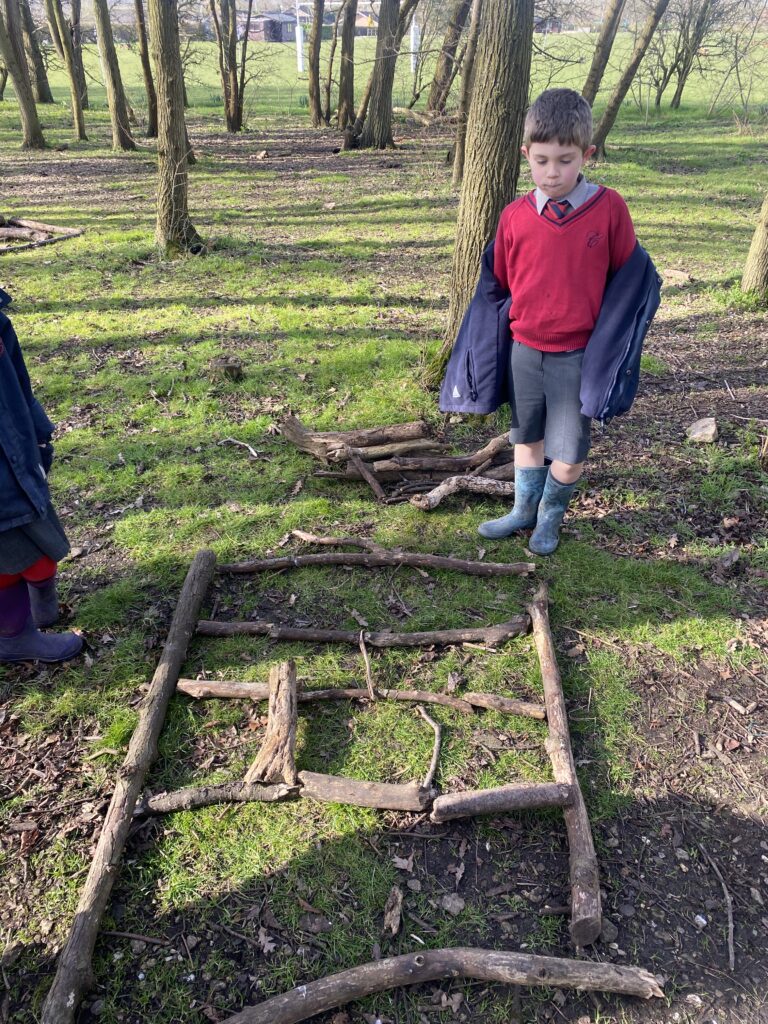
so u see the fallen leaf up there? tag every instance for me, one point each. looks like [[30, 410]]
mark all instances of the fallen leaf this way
[[452, 903], [358, 618], [315, 924], [393, 911], [404, 863], [267, 943]]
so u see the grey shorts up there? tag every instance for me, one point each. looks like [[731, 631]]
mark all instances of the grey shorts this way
[[545, 402]]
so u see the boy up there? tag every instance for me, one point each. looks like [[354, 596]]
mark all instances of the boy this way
[[555, 250]]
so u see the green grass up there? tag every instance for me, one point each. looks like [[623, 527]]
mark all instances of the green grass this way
[[331, 312]]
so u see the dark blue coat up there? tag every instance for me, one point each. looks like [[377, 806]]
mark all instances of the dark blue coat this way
[[476, 379], [23, 428], [477, 376]]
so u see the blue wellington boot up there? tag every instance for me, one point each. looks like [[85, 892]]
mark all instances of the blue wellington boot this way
[[44, 602], [529, 485], [20, 640], [554, 502]]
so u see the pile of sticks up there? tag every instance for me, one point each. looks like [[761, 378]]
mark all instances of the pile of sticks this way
[[402, 463], [22, 233]]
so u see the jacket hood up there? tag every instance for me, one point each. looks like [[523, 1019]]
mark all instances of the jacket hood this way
[[5, 299]]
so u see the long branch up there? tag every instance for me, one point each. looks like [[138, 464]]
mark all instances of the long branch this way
[[374, 559]]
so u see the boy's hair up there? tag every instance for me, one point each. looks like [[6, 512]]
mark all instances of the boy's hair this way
[[560, 114]]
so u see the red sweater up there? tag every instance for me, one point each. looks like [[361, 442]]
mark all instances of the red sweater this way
[[557, 271]]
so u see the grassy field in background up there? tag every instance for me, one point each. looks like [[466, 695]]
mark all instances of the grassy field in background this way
[[328, 276]]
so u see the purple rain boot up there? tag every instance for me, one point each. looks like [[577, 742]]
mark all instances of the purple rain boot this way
[[20, 640], [44, 601]]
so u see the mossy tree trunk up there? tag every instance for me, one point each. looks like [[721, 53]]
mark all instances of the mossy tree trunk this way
[[14, 59], [174, 231], [755, 278], [608, 29], [494, 134], [622, 86], [346, 112], [56, 15], [116, 101], [313, 61], [443, 77], [146, 69], [41, 88]]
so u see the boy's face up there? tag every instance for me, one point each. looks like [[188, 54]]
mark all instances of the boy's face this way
[[555, 168]]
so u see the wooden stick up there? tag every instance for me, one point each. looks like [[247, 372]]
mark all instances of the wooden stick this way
[[373, 559], [507, 705], [585, 879], [74, 975], [334, 789], [429, 778], [18, 247], [369, 476], [474, 484], [451, 462], [320, 443], [494, 965], [338, 542], [366, 659], [518, 796], [276, 759], [728, 906], [223, 793], [394, 449], [49, 229], [489, 635]]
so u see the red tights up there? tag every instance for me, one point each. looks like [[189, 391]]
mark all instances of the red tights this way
[[38, 572]]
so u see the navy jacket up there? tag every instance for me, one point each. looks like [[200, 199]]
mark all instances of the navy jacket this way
[[477, 376], [23, 428], [476, 379]]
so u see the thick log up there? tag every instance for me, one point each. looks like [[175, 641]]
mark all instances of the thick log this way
[[333, 789], [74, 975], [320, 443], [26, 233], [374, 559], [48, 229], [473, 484], [454, 463], [489, 635], [519, 796], [492, 965], [221, 688], [393, 449], [585, 878], [276, 760], [222, 793]]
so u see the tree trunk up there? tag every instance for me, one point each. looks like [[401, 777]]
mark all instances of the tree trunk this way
[[603, 47], [438, 92], [77, 50], [313, 60], [118, 107], [41, 90], [53, 28], [494, 133], [146, 68], [700, 27], [13, 58], [243, 57], [465, 95], [174, 231], [328, 86], [3, 81], [377, 130], [346, 114], [225, 27], [622, 87], [755, 277], [56, 15]]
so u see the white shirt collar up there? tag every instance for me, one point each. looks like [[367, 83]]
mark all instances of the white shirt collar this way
[[579, 194]]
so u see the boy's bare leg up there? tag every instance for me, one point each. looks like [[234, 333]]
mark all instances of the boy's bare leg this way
[[530, 456], [564, 472]]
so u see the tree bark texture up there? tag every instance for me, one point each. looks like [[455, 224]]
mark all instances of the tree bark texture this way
[[146, 69], [473, 484], [174, 230], [334, 789], [346, 110], [465, 94], [313, 63], [74, 974], [518, 796], [490, 635], [586, 917], [328, 84], [53, 28], [377, 130], [190, 798], [243, 59], [755, 277], [220, 688], [276, 759], [56, 16], [3, 81], [118, 106], [441, 82], [489, 965], [14, 59], [77, 50], [41, 90], [603, 47], [623, 85], [494, 132]]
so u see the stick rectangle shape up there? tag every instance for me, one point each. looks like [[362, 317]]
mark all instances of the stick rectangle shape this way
[[517, 796]]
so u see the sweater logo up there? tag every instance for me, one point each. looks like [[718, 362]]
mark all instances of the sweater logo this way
[[593, 238]]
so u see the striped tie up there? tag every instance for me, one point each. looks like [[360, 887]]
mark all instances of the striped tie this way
[[557, 209]]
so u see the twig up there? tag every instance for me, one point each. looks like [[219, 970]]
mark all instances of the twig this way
[[728, 906], [241, 444], [367, 660], [369, 476], [374, 559], [429, 778], [137, 938]]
